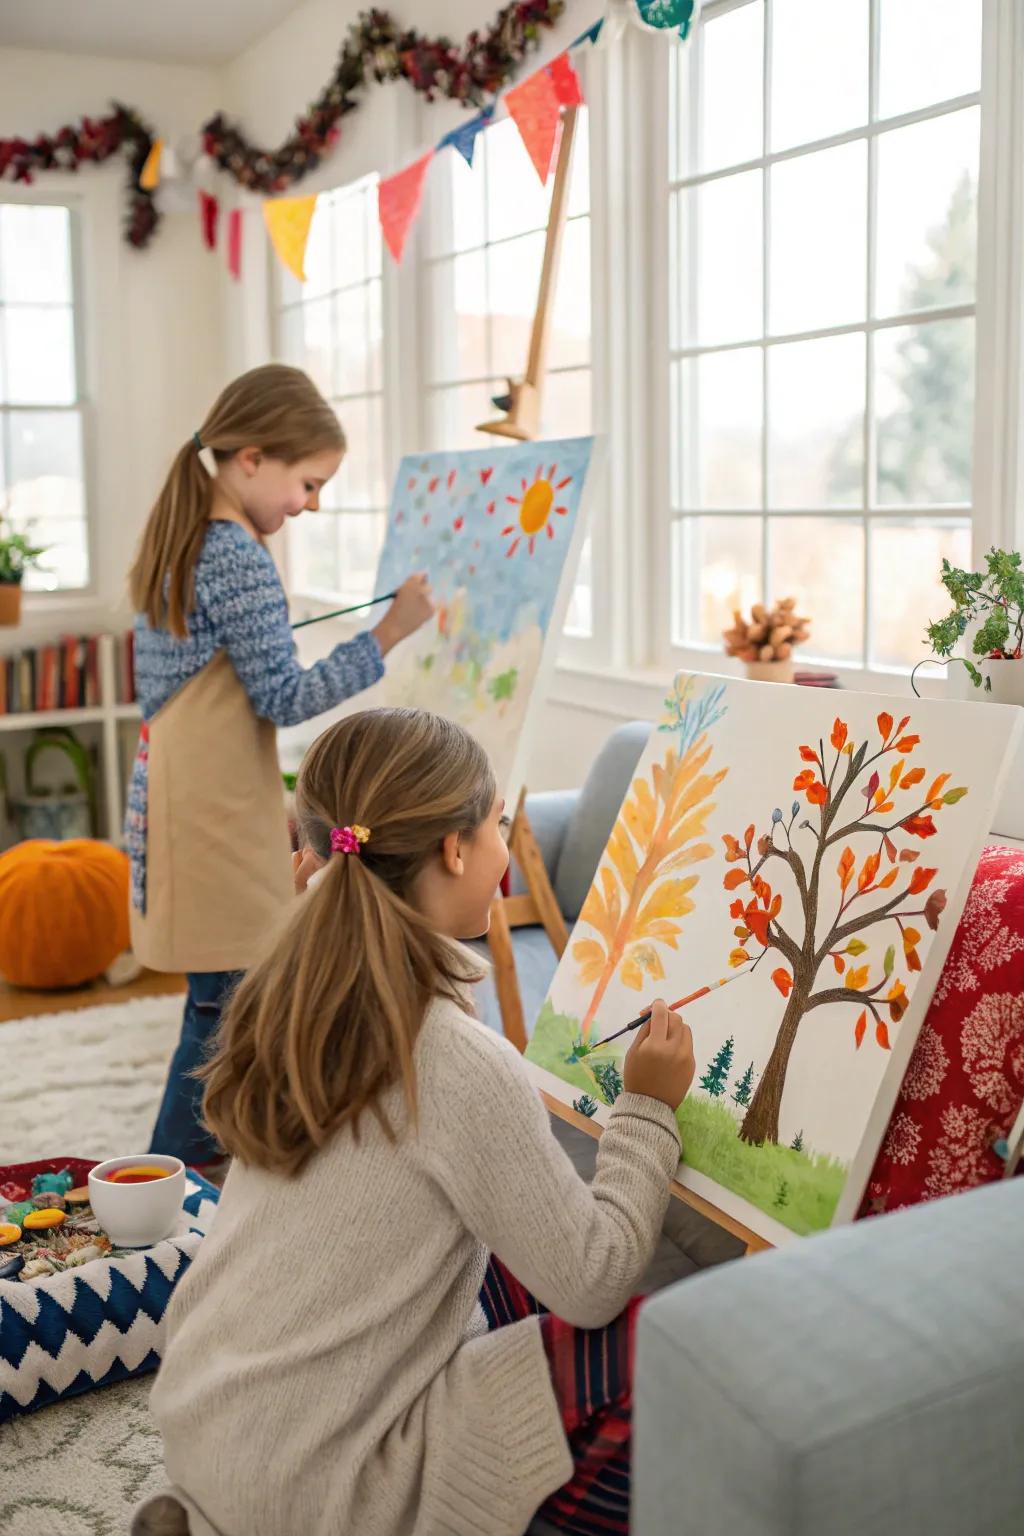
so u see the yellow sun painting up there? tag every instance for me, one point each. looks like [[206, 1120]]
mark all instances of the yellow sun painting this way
[[536, 504]]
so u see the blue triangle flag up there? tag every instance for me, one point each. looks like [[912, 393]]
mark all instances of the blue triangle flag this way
[[463, 138], [591, 35]]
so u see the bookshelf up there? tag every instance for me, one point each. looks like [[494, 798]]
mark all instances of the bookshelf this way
[[107, 722]]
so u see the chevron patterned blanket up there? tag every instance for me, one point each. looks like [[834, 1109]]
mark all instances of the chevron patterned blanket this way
[[63, 1334]]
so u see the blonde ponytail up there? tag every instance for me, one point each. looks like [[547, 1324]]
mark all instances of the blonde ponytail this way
[[329, 1018], [274, 408]]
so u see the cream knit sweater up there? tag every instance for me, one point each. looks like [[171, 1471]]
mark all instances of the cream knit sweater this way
[[327, 1370]]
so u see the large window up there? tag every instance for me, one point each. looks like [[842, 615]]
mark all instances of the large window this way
[[331, 327], [823, 194], [485, 244], [42, 480]]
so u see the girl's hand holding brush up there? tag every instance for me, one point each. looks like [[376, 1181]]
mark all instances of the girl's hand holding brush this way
[[413, 606], [660, 1061]]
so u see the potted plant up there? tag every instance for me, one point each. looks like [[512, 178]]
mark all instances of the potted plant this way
[[17, 555], [992, 600], [765, 641]]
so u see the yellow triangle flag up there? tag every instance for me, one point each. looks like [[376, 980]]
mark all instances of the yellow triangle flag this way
[[149, 178], [288, 220]]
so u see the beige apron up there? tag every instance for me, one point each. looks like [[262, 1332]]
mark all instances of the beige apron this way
[[218, 857]]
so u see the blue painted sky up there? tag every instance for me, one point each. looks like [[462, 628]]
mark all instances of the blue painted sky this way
[[458, 517]]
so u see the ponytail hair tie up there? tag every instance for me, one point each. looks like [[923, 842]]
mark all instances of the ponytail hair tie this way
[[349, 839], [206, 456]]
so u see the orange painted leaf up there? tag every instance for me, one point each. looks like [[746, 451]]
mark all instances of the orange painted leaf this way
[[920, 826], [803, 779], [913, 777], [907, 744], [882, 1034], [757, 922], [808, 755], [857, 979], [748, 837], [839, 963], [883, 806], [741, 932], [783, 980], [738, 957], [921, 880], [890, 849], [889, 879], [734, 878], [839, 734], [936, 790], [913, 960], [859, 1028], [869, 871], [776, 906], [885, 726], [846, 862], [909, 856], [817, 794], [902, 725], [733, 851], [910, 937], [736, 910]]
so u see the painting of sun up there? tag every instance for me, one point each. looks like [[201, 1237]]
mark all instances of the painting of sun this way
[[536, 506]]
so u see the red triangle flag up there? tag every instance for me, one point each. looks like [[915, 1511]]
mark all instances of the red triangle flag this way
[[209, 208], [535, 108], [398, 201], [235, 243], [566, 81]]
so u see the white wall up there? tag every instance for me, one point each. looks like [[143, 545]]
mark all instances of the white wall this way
[[154, 319]]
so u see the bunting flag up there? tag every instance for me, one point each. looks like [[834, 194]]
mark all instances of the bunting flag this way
[[149, 176], [464, 137], [235, 243], [288, 220], [398, 201], [209, 208], [667, 15], [565, 81], [534, 107]]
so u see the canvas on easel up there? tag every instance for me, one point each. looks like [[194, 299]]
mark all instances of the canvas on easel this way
[[498, 531], [815, 860]]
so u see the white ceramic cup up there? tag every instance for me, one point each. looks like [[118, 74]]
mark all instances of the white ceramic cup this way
[[137, 1215]]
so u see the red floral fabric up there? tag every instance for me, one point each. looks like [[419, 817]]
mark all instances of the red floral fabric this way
[[964, 1086]]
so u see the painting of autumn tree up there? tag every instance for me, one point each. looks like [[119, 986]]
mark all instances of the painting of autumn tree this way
[[867, 809]]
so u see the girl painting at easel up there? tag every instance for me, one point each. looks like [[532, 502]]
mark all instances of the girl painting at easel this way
[[216, 672]]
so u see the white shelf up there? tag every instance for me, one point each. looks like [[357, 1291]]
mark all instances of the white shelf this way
[[91, 715]]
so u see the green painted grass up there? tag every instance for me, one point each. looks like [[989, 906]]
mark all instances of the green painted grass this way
[[809, 1185]]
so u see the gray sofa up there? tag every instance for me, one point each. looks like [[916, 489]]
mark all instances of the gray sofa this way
[[867, 1382]]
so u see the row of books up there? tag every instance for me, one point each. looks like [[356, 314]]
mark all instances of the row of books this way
[[65, 675]]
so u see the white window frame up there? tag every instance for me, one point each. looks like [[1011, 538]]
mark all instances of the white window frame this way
[[61, 191]]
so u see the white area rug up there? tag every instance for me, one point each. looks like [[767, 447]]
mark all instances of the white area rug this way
[[86, 1083], [83, 1084]]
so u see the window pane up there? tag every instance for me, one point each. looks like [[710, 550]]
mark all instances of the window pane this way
[[820, 562], [721, 430], [466, 189], [816, 417], [66, 562], [39, 352], [319, 260], [350, 330], [307, 341], [360, 478], [566, 404], [35, 255], [375, 320], [819, 213], [924, 404], [570, 318], [731, 94], [716, 567], [906, 593], [579, 179], [579, 619], [348, 216], [515, 198], [819, 69], [717, 270], [316, 552], [930, 51], [458, 318], [513, 277], [360, 538], [927, 214], [456, 413]]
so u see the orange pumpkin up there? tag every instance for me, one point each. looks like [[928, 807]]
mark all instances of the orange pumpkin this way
[[63, 912]]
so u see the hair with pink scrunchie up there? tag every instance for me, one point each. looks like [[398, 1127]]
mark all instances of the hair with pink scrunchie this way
[[349, 839]]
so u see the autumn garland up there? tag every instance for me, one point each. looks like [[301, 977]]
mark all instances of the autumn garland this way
[[377, 48], [93, 141]]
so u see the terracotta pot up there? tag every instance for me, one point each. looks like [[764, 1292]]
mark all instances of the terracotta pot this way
[[10, 602], [1007, 680], [770, 671]]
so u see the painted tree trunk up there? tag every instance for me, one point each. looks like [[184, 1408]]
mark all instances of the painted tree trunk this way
[[761, 1122]]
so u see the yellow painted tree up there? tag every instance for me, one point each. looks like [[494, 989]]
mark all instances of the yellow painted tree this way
[[642, 891]]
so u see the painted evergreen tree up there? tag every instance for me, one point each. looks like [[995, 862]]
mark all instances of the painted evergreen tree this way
[[585, 1105], [742, 1089], [609, 1079], [716, 1078], [782, 1197], [797, 1144]]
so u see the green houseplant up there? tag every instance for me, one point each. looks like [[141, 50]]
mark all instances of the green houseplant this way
[[992, 600], [17, 555]]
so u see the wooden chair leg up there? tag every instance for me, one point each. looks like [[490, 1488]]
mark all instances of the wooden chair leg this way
[[506, 983]]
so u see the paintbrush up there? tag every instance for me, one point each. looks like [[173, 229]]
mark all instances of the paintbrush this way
[[339, 613], [683, 1002]]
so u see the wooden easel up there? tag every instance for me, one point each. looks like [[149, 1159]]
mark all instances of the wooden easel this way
[[538, 906], [522, 403]]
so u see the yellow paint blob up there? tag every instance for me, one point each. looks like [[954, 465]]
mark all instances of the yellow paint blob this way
[[535, 508]]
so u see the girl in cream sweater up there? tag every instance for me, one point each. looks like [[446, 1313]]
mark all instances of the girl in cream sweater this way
[[382, 1332]]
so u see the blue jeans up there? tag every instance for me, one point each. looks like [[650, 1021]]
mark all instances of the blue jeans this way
[[179, 1129]]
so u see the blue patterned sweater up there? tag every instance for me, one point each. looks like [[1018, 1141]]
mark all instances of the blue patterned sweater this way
[[240, 608]]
